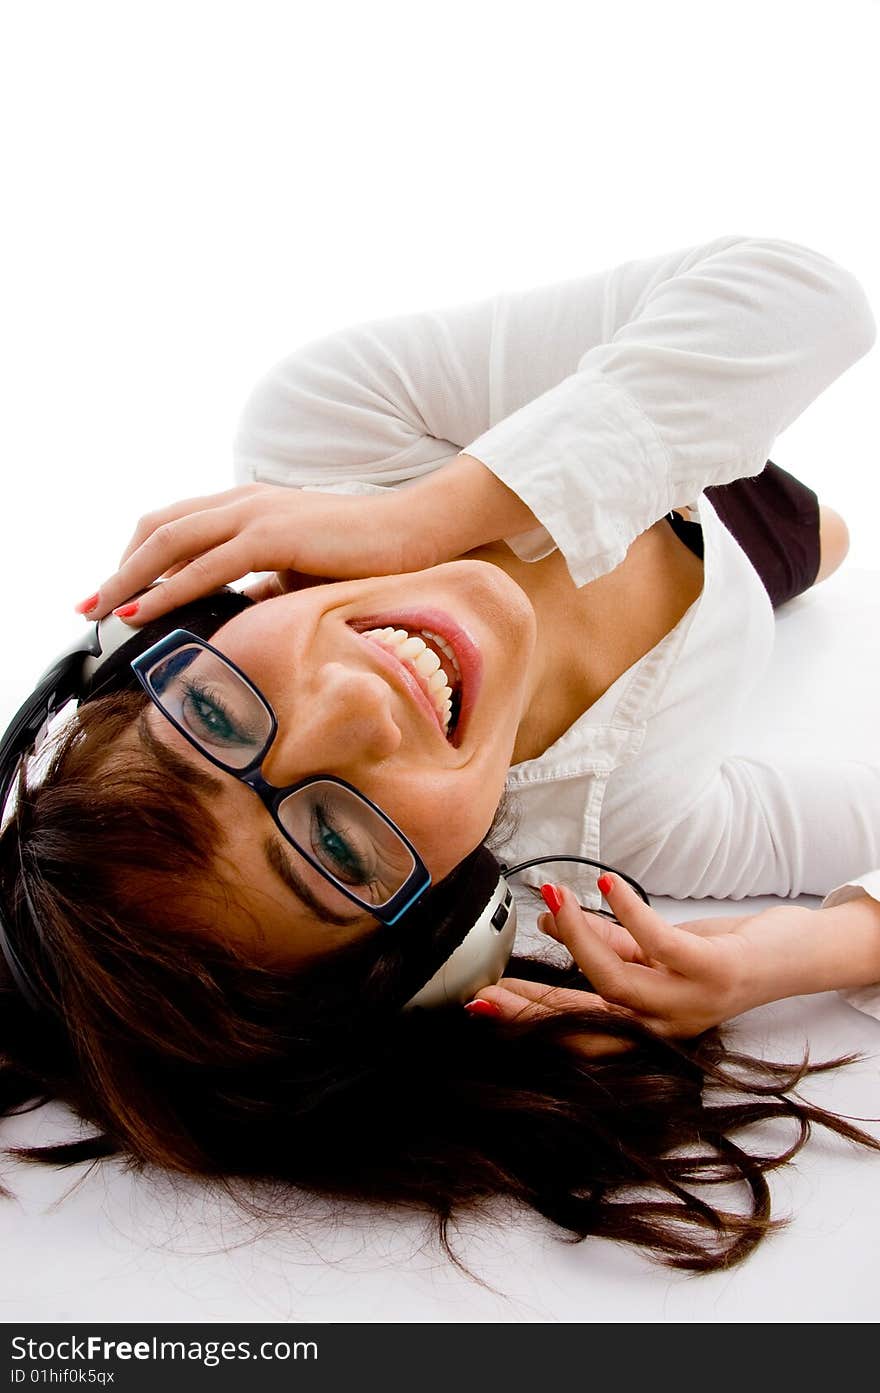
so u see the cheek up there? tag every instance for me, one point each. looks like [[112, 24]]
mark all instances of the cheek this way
[[446, 819]]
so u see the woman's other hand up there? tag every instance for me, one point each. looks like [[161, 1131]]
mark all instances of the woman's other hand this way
[[679, 979], [305, 538]]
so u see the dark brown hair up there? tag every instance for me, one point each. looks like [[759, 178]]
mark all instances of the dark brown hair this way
[[183, 1052]]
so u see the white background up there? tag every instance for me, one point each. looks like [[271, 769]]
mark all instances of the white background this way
[[191, 189]]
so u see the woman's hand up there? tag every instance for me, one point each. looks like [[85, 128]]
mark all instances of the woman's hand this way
[[513, 997], [679, 980], [201, 544]]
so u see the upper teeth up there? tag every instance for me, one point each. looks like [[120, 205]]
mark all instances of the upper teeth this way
[[412, 649]]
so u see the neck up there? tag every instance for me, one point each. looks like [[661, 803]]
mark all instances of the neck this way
[[563, 667], [588, 637]]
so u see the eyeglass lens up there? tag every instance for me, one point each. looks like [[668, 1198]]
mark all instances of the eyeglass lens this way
[[222, 716]]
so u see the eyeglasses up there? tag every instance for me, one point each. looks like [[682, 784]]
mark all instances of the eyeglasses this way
[[334, 827]]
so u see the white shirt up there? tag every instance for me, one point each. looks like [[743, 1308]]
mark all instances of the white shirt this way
[[604, 402]]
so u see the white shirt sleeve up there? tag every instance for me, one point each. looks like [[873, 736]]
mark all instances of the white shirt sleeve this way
[[602, 401], [787, 828]]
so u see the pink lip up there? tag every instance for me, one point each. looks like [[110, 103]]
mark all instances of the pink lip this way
[[467, 655]]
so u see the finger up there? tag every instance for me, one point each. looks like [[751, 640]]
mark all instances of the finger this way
[[202, 576], [664, 942], [618, 938], [580, 931], [642, 987], [181, 566], [151, 521], [510, 1005], [552, 998], [174, 570], [182, 542], [530, 1001]]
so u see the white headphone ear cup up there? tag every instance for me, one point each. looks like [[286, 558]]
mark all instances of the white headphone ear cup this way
[[112, 634], [480, 958], [117, 642]]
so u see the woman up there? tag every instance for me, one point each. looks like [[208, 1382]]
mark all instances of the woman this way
[[227, 1011]]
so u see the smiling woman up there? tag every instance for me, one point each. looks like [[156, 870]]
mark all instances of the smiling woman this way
[[516, 645]]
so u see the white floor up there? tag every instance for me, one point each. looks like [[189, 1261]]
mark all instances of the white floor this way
[[118, 1248]]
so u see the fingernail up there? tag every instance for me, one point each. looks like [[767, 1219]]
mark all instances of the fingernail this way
[[605, 883], [126, 611], [85, 605], [479, 1007], [552, 898]]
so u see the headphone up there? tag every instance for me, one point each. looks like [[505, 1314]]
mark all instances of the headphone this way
[[460, 933]]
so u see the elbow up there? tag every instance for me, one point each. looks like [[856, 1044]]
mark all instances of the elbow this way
[[869, 323], [843, 303], [857, 313]]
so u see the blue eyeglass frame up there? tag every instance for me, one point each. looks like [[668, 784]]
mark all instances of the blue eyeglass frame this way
[[272, 795]]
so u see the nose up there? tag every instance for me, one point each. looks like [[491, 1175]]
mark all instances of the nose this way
[[342, 723]]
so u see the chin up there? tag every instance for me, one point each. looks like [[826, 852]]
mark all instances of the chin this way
[[501, 591]]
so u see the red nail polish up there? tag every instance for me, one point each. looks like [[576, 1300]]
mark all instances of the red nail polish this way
[[479, 1007], [85, 605], [126, 611], [552, 898], [605, 883]]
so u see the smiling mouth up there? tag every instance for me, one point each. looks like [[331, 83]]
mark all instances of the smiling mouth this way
[[463, 644], [429, 661]]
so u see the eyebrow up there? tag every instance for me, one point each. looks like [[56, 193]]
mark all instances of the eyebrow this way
[[274, 848], [277, 857]]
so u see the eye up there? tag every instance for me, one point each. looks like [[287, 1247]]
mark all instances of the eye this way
[[329, 843], [208, 717]]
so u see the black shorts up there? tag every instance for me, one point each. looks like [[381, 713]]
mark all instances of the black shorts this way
[[775, 519]]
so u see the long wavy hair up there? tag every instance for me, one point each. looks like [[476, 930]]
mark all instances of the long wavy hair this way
[[183, 1052]]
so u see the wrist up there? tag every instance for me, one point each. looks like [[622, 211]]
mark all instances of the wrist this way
[[801, 951], [455, 509]]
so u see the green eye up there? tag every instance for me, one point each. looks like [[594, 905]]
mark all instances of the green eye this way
[[209, 719], [330, 845]]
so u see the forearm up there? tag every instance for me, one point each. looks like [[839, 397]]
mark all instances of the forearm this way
[[458, 507], [803, 951]]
